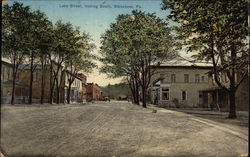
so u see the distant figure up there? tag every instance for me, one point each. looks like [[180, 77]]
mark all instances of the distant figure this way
[[109, 99]]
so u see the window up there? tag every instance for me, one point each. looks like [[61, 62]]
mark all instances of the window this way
[[213, 78], [202, 78], [34, 76], [173, 77], [197, 78], [186, 78], [183, 95], [8, 74], [165, 94], [162, 75]]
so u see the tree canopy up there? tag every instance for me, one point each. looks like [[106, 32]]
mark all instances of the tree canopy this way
[[135, 42], [217, 30]]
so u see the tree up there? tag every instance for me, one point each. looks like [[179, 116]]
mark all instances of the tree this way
[[218, 31], [80, 58], [133, 44], [63, 34], [15, 37], [39, 44], [45, 48]]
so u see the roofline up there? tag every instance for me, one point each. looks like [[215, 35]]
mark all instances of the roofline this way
[[184, 67], [4, 62], [67, 71]]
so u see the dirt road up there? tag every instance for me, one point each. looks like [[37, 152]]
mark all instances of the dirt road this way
[[115, 129]]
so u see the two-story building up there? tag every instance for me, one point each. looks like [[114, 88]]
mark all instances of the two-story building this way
[[21, 89], [76, 92], [93, 92], [178, 83], [84, 86], [23, 81]]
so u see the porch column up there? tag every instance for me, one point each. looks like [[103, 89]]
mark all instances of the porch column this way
[[217, 99]]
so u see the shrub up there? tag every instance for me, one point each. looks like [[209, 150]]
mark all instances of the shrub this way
[[176, 103]]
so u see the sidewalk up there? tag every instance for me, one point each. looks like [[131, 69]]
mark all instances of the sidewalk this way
[[242, 119]]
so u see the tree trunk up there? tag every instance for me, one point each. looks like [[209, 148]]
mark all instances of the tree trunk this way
[[14, 71], [131, 85], [232, 108], [31, 78], [42, 81], [137, 92], [57, 93], [51, 83], [68, 94], [144, 97]]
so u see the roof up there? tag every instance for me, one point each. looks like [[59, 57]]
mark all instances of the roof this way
[[6, 63], [185, 65], [73, 75]]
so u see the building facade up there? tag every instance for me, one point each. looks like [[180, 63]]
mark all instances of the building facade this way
[[93, 92], [21, 89], [215, 97], [76, 93], [23, 82], [84, 86], [178, 85]]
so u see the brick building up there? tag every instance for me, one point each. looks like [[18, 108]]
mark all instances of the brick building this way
[[93, 92], [23, 81]]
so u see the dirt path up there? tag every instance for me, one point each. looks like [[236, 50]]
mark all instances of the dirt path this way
[[114, 129]]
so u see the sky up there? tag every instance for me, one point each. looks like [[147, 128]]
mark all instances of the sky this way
[[93, 17]]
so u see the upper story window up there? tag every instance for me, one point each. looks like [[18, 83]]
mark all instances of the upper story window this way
[[197, 78], [186, 78], [173, 78], [202, 78], [162, 75]]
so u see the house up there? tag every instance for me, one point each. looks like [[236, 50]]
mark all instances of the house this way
[[76, 92], [93, 92], [215, 97], [23, 81], [180, 84], [84, 86], [24, 77], [21, 89]]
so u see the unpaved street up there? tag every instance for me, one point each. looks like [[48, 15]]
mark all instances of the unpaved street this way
[[115, 129]]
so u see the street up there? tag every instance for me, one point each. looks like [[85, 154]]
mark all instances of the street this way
[[115, 129]]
